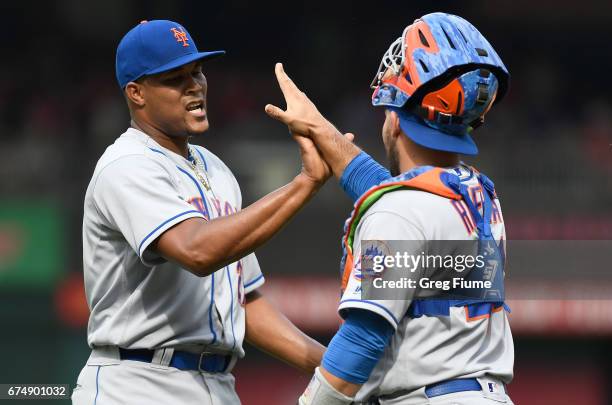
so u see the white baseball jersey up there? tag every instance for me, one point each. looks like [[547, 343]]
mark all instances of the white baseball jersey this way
[[138, 299], [430, 349]]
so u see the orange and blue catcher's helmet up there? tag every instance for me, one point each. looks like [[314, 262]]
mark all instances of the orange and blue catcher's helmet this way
[[441, 76]]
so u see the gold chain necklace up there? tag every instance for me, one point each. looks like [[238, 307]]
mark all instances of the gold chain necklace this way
[[196, 166]]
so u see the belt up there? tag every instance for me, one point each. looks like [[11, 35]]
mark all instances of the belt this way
[[434, 390], [452, 386], [208, 362]]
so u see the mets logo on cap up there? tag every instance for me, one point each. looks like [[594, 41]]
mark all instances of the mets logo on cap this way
[[154, 47], [180, 35]]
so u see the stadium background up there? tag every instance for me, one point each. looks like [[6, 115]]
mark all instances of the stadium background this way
[[547, 148]]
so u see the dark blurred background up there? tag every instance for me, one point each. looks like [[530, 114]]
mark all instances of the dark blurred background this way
[[548, 147]]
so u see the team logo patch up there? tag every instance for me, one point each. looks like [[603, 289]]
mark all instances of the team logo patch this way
[[180, 35], [365, 262]]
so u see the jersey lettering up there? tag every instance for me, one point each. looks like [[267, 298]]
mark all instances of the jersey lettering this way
[[463, 211], [496, 217], [228, 209], [476, 196], [199, 205], [217, 205]]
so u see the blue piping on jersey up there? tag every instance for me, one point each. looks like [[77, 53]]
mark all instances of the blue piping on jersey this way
[[212, 288], [191, 177], [162, 224], [203, 160], [97, 375], [210, 308], [199, 190], [229, 279], [374, 304], [158, 151], [250, 283]]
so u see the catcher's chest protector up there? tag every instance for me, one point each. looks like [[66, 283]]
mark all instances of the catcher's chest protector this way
[[445, 184]]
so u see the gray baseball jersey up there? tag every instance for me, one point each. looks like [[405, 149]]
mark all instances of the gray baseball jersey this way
[[428, 350], [138, 299]]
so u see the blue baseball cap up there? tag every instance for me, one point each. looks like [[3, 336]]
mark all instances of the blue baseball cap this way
[[422, 134], [153, 47]]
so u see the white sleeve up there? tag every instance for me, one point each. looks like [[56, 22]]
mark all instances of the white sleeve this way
[[211, 160], [252, 275], [378, 226], [139, 199]]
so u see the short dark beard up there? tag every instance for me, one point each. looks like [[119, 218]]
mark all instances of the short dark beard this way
[[393, 157]]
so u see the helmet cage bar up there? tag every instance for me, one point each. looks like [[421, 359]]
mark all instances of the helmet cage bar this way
[[393, 58], [436, 76]]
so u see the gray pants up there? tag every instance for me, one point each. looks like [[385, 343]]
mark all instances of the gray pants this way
[[492, 393], [462, 398], [468, 398], [114, 382]]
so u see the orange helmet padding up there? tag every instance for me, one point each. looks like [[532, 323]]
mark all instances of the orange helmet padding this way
[[448, 100]]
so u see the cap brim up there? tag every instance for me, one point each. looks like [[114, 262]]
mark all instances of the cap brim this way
[[431, 138], [183, 60]]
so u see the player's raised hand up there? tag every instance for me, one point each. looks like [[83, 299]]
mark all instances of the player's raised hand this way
[[302, 116], [304, 119]]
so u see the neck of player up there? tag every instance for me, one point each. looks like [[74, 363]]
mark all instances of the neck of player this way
[[176, 144], [412, 155]]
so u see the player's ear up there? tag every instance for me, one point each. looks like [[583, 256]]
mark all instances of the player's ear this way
[[135, 93], [394, 122]]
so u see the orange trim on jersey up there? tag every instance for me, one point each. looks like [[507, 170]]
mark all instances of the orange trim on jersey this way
[[484, 316], [430, 182]]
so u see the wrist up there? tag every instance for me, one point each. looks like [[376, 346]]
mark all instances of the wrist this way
[[321, 392], [324, 131], [307, 182]]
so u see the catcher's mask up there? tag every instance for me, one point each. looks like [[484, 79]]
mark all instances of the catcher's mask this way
[[441, 76]]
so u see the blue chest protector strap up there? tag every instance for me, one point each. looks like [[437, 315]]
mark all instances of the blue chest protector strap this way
[[483, 301]]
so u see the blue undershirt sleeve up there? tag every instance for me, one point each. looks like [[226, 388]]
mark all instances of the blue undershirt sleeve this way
[[361, 174], [356, 348]]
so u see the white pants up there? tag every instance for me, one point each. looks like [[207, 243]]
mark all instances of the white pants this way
[[129, 382]]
